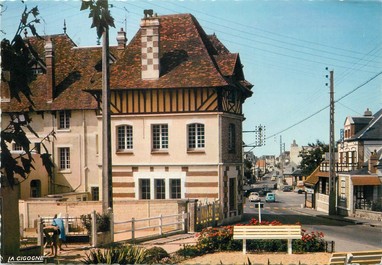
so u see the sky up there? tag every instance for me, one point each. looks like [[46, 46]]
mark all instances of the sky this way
[[284, 46]]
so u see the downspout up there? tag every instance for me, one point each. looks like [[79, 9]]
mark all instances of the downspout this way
[[82, 144], [51, 187]]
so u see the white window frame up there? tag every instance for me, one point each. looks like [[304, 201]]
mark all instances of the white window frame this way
[[124, 138], [63, 120], [196, 136], [160, 137], [64, 158], [166, 176]]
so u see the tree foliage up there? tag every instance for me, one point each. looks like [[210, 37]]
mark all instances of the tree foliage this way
[[18, 57], [312, 157], [100, 15]]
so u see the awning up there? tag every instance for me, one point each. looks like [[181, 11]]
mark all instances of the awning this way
[[365, 180]]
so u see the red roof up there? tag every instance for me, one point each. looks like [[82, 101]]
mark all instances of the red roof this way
[[188, 58]]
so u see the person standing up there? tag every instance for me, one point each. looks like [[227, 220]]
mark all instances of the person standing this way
[[59, 222]]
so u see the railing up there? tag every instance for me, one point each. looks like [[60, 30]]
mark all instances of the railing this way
[[160, 225], [339, 167], [73, 225]]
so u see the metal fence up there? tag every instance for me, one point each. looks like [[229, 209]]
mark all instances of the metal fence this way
[[208, 214]]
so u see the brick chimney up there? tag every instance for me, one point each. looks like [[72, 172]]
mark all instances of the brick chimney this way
[[373, 160], [121, 39], [49, 61], [150, 46]]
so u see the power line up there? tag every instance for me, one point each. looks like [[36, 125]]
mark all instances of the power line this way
[[322, 109]]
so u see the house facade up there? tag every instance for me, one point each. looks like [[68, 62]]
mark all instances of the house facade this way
[[176, 116], [358, 178]]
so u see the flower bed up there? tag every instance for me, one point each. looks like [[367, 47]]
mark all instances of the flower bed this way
[[214, 239]]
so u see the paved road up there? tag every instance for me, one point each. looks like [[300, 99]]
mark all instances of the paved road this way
[[287, 209]]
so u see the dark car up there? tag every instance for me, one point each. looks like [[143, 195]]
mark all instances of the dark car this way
[[287, 189]]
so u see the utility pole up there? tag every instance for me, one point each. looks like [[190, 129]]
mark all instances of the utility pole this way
[[280, 179], [107, 189], [332, 172]]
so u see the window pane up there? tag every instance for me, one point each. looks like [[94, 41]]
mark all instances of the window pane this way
[[64, 120], [145, 189], [124, 137], [64, 154], [175, 189], [95, 193], [160, 136], [160, 189], [191, 136], [196, 136]]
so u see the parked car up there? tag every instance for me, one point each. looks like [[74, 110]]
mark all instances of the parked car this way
[[287, 188], [254, 197], [271, 197], [300, 191]]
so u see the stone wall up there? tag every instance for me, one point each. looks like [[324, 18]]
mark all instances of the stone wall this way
[[369, 215]]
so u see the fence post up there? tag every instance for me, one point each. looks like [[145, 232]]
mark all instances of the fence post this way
[[184, 221], [133, 228], [66, 224], [94, 228], [111, 219], [40, 235], [192, 209], [160, 224], [213, 214]]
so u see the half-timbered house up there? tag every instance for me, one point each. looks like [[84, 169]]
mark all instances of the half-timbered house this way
[[176, 114]]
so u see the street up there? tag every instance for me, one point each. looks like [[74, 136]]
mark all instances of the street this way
[[287, 209]]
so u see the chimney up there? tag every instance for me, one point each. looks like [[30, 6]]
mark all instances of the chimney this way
[[373, 160], [367, 113], [150, 46], [121, 39], [49, 61]]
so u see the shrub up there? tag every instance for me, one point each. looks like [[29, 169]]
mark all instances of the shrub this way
[[156, 255], [309, 242], [217, 239], [127, 254], [189, 251], [102, 221]]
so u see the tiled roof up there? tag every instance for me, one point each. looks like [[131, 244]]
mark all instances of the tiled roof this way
[[372, 131], [188, 58], [72, 67], [313, 178]]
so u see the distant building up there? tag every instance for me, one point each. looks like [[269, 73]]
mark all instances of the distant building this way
[[358, 174]]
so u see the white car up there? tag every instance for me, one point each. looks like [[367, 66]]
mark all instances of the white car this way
[[254, 197]]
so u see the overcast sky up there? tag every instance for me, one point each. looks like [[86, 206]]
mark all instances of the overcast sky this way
[[284, 46]]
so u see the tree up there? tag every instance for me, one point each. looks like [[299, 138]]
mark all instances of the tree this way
[[18, 57], [313, 157]]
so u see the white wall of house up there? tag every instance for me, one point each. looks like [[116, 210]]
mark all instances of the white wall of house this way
[[80, 138]]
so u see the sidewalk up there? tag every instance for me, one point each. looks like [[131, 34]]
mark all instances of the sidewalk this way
[[353, 220], [76, 252]]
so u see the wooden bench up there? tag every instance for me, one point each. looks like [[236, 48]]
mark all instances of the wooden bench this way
[[359, 257], [288, 232]]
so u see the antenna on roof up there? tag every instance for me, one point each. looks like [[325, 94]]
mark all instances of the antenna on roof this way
[[64, 26]]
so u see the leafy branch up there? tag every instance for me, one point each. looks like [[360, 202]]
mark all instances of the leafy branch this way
[[18, 58], [100, 14]]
